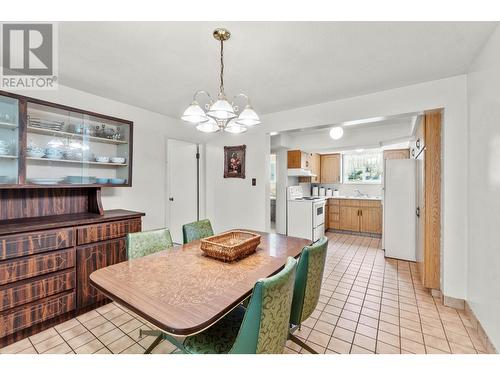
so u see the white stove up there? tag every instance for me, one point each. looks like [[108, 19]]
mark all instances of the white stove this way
[[305, 216]]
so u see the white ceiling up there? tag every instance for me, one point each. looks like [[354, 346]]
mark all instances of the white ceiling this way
[[280, 65]]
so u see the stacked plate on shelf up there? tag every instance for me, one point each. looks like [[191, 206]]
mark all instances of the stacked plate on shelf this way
[[36, 122], [79, 180], [4, 147], [45, 181]]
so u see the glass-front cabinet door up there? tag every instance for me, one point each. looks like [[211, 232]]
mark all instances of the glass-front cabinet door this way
[[9, 140], [73, 148]]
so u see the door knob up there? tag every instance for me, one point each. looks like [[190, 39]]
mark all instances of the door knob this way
[[417, 212], [171, 199]]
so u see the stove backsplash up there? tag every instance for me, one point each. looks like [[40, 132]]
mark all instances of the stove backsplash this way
[[345, 189]]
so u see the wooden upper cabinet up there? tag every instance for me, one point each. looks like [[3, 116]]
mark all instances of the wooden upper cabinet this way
[[330, 168], [299, 159], [316, 168], [403, 153]]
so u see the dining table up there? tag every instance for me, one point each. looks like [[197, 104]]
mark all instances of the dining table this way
[[182, 291]]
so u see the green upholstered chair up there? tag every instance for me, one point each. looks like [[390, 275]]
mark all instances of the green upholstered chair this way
[[197, 230], [262, 328], [310, 268], [140, 244]]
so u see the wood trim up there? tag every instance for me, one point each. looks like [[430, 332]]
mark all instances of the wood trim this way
[[432, 199], [22, 130]]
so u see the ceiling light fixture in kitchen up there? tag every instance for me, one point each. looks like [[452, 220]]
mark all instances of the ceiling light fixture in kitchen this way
[[336, 132], [221, 115]]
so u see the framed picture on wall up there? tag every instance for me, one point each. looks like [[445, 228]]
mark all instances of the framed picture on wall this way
[[234, 161]]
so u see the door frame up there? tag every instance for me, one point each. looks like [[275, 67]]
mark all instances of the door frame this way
[[201, 179]]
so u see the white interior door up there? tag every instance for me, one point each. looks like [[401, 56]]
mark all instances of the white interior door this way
[[182, 185]]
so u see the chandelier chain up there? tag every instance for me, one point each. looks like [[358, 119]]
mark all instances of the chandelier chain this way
[[221, 89]]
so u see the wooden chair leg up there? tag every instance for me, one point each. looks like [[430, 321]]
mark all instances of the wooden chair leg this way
[[301, 343]]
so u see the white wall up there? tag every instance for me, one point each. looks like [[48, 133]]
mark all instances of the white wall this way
[[483, 282], [234, 202], [450, 94], [147, 193]]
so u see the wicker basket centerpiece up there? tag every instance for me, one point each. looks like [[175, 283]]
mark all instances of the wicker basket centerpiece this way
[[230, 246]]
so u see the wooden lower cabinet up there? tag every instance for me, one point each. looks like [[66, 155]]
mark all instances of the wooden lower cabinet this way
[[44, 274], [349, 218], [90, 258], [355, 215], [371, 220]]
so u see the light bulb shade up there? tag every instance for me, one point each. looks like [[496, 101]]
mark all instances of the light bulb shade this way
[[235, 128], [248, 117], [194, 114], [209, 126], [221, 109], [336, 132]]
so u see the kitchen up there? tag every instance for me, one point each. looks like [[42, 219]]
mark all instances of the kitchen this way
[[369, 183]]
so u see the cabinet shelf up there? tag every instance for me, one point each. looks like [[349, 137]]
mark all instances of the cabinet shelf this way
[[90, 138], [77, 162], [8, 157], [7, 125]]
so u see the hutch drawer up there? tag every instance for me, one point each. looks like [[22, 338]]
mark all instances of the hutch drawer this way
[[35, 265], [102, 232], [19, 245], [37, 312], [27, 291]]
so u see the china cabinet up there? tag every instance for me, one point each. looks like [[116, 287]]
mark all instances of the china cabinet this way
[[48, 144], [54, 231]]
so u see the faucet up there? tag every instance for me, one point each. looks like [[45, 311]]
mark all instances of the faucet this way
[[359, 193]]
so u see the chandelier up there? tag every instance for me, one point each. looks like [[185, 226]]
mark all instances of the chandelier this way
[[221, 115]]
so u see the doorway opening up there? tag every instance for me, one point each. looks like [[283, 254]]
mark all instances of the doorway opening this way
[[272, 191]]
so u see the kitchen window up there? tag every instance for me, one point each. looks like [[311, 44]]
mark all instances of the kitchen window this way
[[362, 168]]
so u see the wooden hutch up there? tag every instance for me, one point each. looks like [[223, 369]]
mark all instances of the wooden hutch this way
[[54, 161]]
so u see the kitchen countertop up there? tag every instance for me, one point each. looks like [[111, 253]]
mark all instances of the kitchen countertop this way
[[369, 198]]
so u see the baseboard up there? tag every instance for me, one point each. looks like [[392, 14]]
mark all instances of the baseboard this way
[[456, 303], [364, 234], [490, 348]]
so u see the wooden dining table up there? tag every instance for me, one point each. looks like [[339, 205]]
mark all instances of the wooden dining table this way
[[182, 291]]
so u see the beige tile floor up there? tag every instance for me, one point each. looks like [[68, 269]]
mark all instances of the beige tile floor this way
[[368, 304]]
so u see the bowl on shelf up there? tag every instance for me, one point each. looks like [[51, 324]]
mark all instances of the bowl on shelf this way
[[117, 181], [118, 160], [102, 159], [102, 180], [4, 151], [53, 153], [35, 153]]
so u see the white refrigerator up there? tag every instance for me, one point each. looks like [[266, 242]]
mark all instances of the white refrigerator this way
[[399, 208]]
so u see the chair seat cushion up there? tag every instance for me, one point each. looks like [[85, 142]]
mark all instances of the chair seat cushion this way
[[219, 338]]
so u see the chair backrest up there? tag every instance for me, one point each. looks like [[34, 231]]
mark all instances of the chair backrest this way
[[307, 288], [264, 329], [144, 243], [197, 230]]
